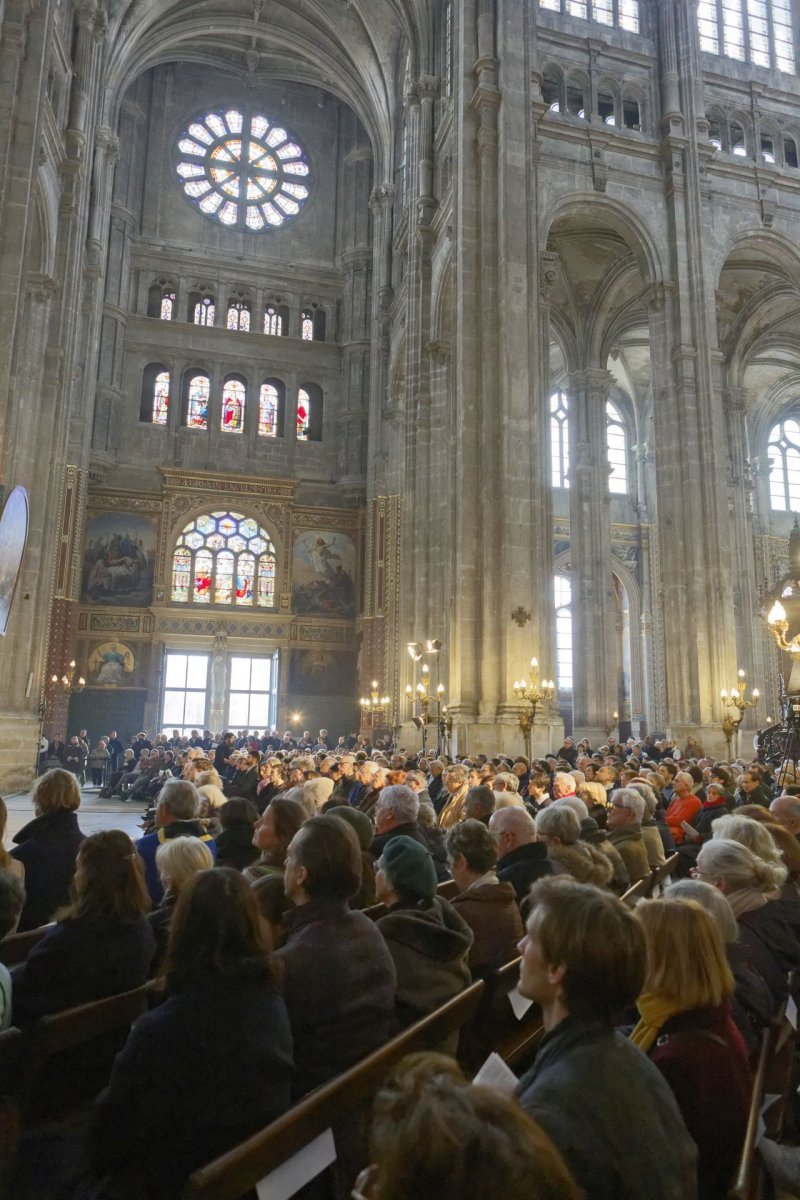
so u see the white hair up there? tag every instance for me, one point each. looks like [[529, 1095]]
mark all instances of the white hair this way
[[629, 798], [575, 803], [400, 801]]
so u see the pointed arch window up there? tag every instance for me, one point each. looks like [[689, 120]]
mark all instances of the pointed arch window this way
[[621, 14], [307, 325], [205, 311], [617, 451], [238, 316], [303, 414], [168, 306], [559, 439], [224, 558], [784, 459], [563, 599], [198, 395], [756, 31], [273, 321], [154, 406], [234, 397], [270, 409]]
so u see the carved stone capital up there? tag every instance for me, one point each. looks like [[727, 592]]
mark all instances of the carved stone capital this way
[[42, 287], [107, 141], [382, 195]]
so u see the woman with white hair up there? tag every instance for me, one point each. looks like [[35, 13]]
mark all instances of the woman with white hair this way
[[559, 827], [177, 860], [769, 928]]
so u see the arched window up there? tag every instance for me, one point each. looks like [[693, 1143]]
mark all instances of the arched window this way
[[238, 316], [768, 148], [784, 459], [309, 413], [737, 140], [234, 396], [631, 112], [312, 323], [607, 104], [161, 300], [553, 89], [307, 325], [622, 14], [271, 406], [559, 440], [204, 310], [224, 558], [756, 31], [273, 321], [198, 394], [790, 152], [563, 597], [167, 306], [617, 451], [154, 406], [577, 91]]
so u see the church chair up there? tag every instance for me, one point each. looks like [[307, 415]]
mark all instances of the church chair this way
[[637, 891], [16, 948], [337, 1112], [752, 1182], [660, 875]]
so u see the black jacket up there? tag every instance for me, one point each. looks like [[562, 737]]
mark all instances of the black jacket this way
[[339, 984], [82, 959], [582, 1058], [245, 784], [235, 847], [523, 866], [180, 1096], [770, 936], [48, 847]]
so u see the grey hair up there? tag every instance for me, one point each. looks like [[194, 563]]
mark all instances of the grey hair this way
[[739, 867], [565, 778], [180, 797], [301, 797], [458, 772], [417, 777], [648, 795], [510, 780], [400, 801], [577, 805], [317, 791], [713, 901], [513, 820], [749, 833], [559, 821], [177, 859], [630, 799]]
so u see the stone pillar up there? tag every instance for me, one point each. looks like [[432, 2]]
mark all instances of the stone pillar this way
[[64, 611], [355, 256], [593, 607]]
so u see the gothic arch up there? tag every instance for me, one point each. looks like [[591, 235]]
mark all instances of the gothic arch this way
[[624, 221]]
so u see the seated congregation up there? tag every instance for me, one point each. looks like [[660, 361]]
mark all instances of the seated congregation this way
[[288, 934]]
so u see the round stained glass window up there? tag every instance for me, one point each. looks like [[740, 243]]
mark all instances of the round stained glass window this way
[[242, 170]]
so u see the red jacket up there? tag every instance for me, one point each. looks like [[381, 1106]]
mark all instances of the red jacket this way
[[682, 808]]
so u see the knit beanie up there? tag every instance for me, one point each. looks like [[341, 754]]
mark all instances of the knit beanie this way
[[409, 868], [357, 820]]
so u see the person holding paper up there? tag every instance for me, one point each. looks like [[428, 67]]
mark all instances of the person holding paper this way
[[583, 962]]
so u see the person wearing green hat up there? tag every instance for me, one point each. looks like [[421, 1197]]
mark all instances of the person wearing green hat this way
[[427, 939], [361, 824]]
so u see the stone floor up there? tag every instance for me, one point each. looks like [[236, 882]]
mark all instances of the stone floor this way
[[94, 813]]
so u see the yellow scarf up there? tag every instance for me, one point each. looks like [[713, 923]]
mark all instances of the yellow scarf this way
[[654, 1012]]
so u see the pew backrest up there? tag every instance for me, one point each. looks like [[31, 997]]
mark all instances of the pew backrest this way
[[16, 948], [661, 874], [637, 891]]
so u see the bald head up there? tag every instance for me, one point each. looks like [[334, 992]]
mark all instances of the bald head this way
[[512, 827], [786, 811]]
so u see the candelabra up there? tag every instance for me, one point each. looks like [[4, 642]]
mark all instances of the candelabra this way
[[67, 682], [735, 700], [423, 696], [531, 693], [611, 724], [373, 704]]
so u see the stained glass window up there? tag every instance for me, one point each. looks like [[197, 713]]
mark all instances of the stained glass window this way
[[273, 321], [617, 451], [784, 464], [307, 325], [161, 398], [268, 411], [563, 598], [167, 306], [622, 14], [197, 406], [224, 558], [243, 170], [238, 316], [757, 31], [205, 311], [233, 401], [303, 414], [559, 440]]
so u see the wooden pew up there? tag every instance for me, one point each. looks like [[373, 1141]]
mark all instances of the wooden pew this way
[[660, 875], [349, 1096], [16, 948], [751, 1176], [447, 890], [496, 1027], [637, 891]]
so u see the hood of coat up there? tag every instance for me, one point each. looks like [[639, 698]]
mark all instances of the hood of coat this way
[[584, 862], [499, 894], [437, 932]]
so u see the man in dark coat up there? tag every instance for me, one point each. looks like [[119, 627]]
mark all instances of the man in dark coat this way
[[521, 859], [584, 962], [175, 817], [338, 976], [245, 780]]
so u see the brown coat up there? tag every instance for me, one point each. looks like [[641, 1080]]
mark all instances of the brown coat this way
[[492, 913], [453, 811], [631, 846], [584, 862]]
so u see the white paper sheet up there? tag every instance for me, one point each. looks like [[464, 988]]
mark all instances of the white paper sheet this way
[[769, 1099], [298, 1170], [519, 1003], [498, 1075], [791, 1013]]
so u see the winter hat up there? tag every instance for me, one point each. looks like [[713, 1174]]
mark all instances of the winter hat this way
[[357, 820], [409, 868]]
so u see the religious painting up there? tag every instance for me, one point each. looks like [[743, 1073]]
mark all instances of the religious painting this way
[[324, 567], [111, 664], [13, 536], [320, 672], [118, 560]]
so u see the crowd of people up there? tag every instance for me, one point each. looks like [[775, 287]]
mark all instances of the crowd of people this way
[[245, 895]]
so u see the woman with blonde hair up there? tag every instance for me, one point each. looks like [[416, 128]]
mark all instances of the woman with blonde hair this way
[[687, 1030], [177, 860], [769, 926], [48, 845]]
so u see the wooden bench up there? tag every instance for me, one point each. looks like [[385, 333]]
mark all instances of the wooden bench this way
[[497, 1028], [347, 1098], [637, 891], [661, 874], [751, 1177], [447, 890], [16, 948]]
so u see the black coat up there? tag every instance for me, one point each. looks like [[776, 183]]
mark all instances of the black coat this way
[[244, 784], [770, 936], [183, 1091], [339, 985], [235, 847], [48, 847], [82, 959], [431, 839], [523, 866]]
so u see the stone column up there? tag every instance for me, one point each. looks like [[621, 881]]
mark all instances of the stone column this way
[[64, 611], [355, 256]]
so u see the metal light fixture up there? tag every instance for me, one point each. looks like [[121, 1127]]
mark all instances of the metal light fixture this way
[[531, 693], [67, 682], [736, 699]]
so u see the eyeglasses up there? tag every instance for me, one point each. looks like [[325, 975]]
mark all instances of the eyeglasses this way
[[696, 873]]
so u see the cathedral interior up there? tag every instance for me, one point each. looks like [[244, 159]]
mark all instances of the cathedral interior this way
[[334, 328]]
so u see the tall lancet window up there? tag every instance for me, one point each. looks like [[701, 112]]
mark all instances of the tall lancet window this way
[[784, 464], [559, 439]]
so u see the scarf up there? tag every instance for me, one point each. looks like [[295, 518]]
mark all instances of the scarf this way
[[745, 900], [654, 1012]]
